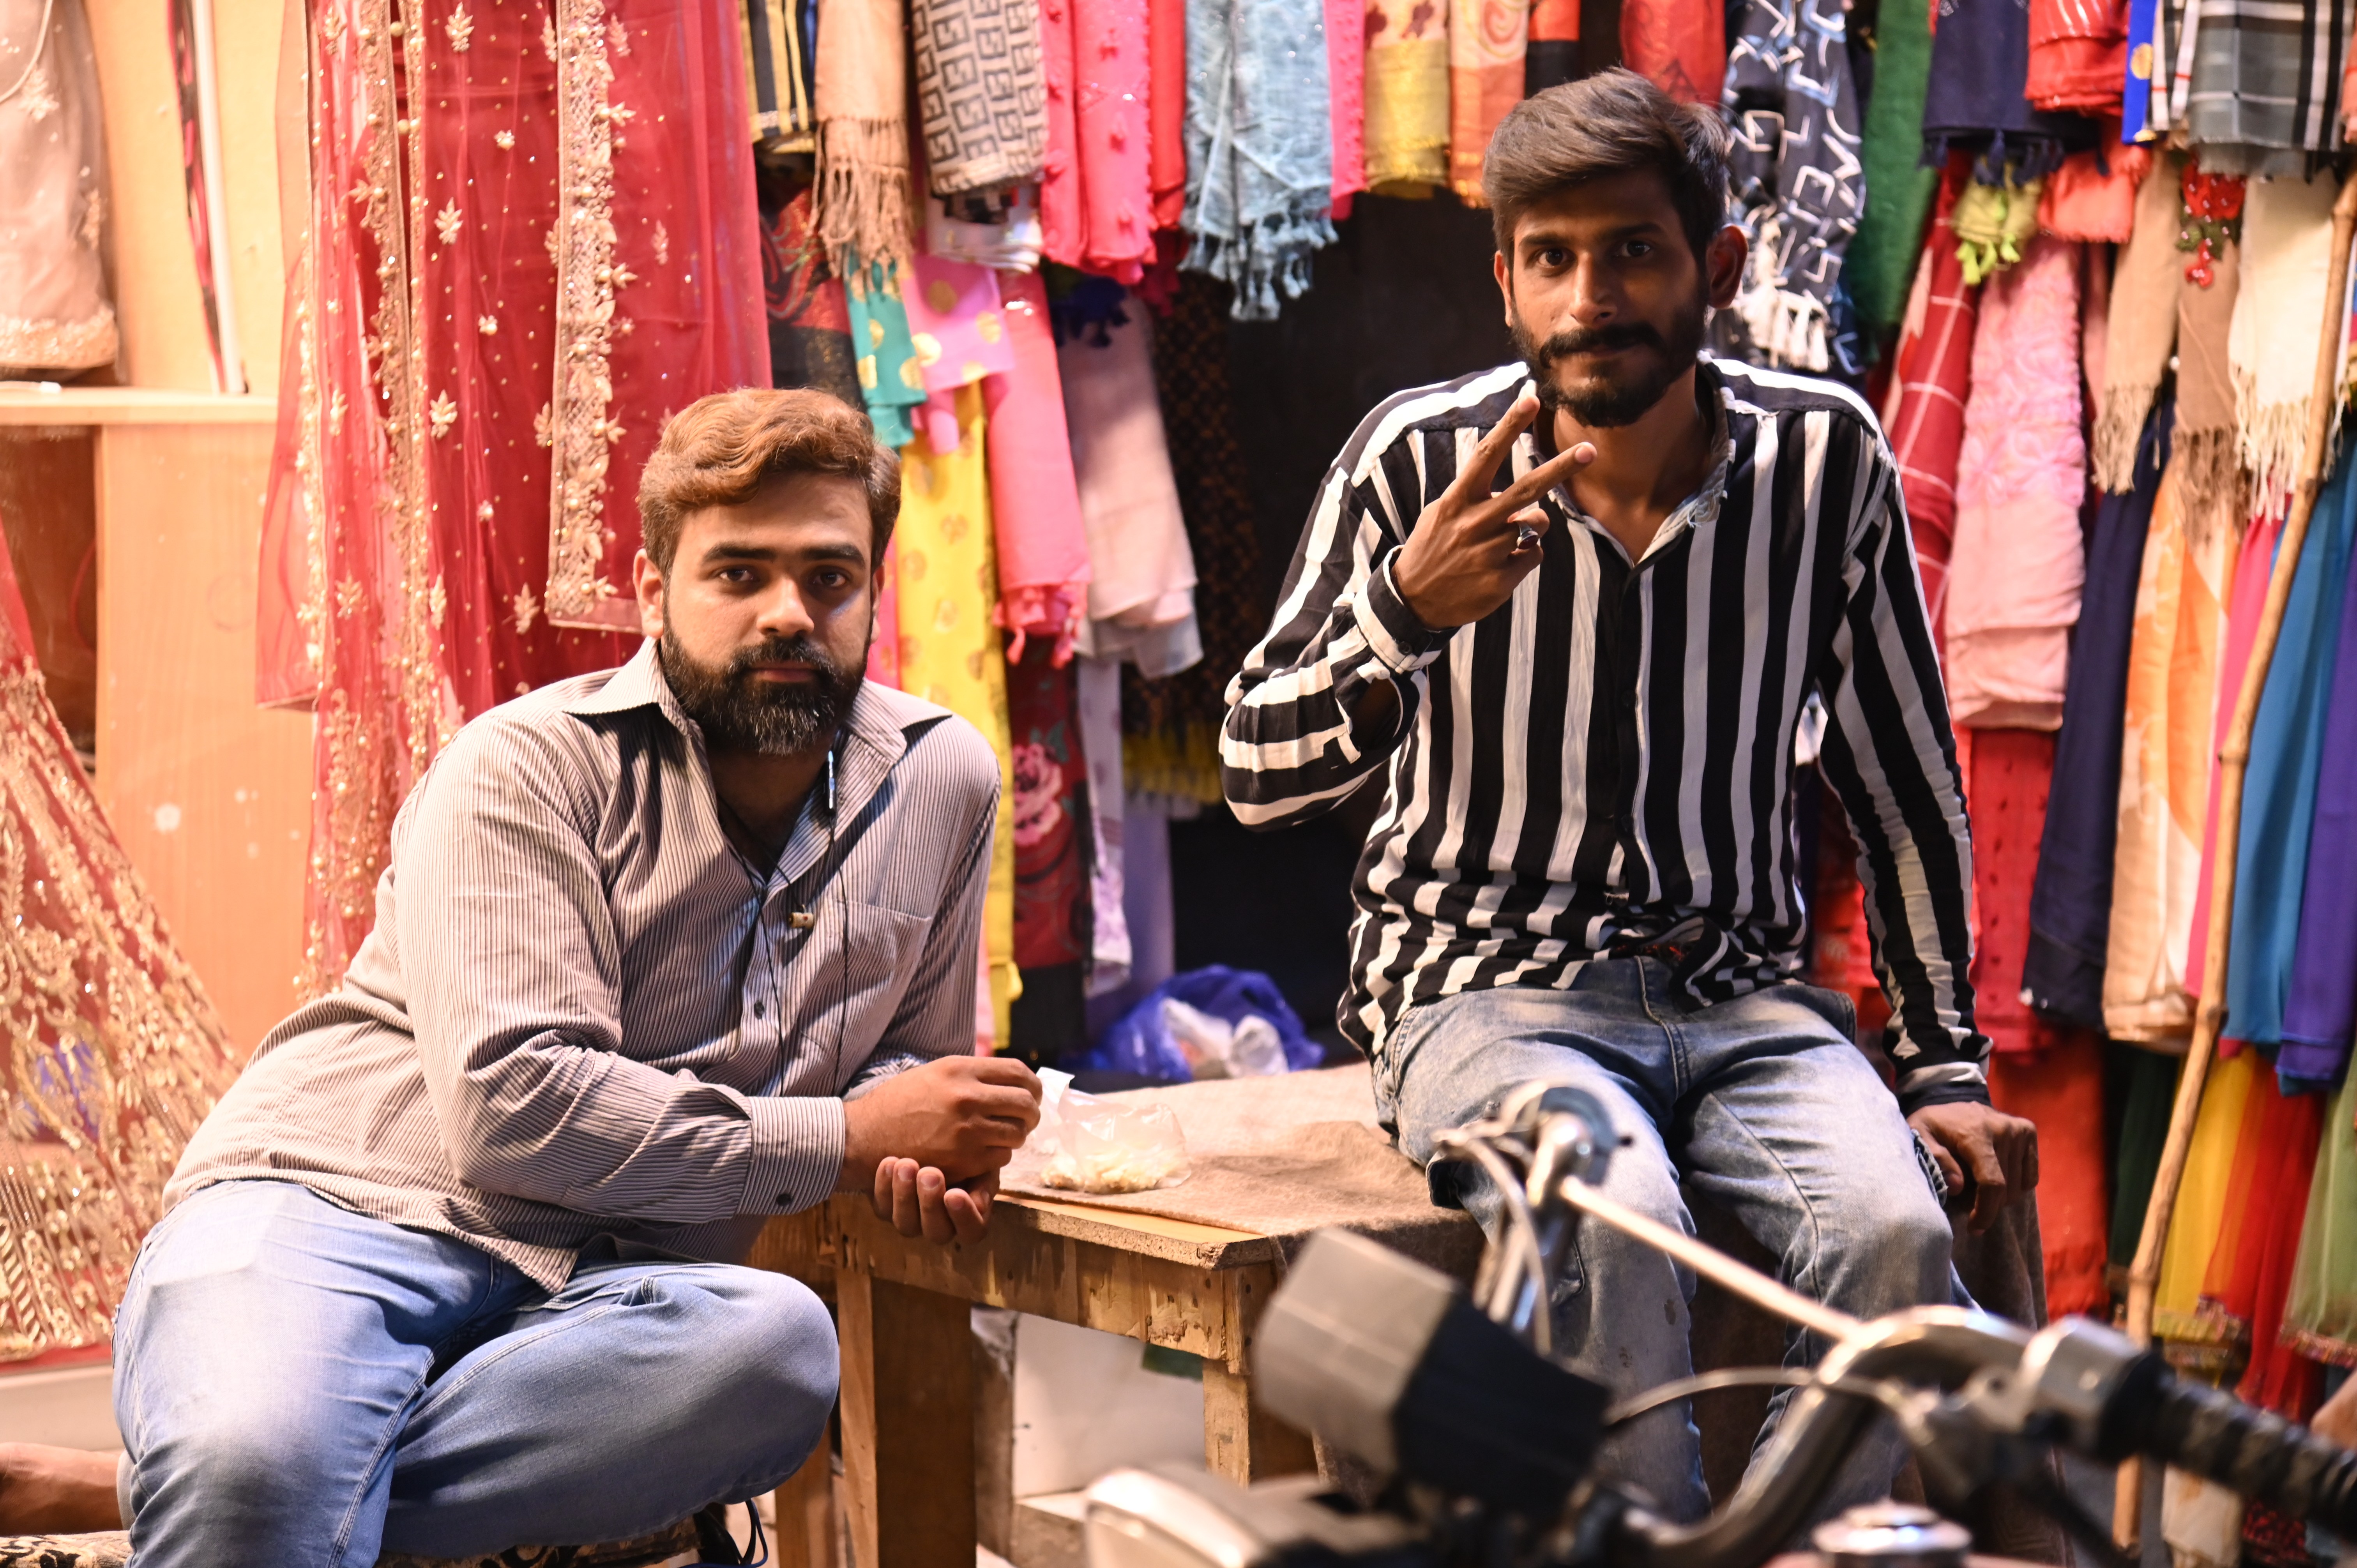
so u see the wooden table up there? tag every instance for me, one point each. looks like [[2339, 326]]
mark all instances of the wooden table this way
[[902, 1308]]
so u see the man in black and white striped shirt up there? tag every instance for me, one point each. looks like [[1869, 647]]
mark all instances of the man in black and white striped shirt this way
[[1569, 616], [662, 951]]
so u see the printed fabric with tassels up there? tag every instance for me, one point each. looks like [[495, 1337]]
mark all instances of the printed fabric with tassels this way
[[1260, 148], [1797, 181]]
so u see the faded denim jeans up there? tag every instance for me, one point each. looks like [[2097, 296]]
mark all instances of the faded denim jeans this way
[[1761, 1105], [302, 1386]]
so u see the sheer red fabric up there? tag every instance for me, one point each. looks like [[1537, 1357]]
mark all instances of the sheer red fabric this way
[[536, 237]]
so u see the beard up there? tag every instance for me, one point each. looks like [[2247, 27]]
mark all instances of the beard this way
[[739, 712], [1607, 401]]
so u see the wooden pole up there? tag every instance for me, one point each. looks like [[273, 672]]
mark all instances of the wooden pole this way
[[2233, 760]]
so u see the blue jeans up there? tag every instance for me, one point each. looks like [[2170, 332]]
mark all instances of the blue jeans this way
[[1763, 1105], [299, 1385]]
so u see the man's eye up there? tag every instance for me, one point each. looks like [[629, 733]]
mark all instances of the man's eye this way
[[738, 574], [1555, 258], [833, 579], [1641, 247]]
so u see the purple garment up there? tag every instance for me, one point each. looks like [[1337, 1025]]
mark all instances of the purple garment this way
[[2322, 1005]]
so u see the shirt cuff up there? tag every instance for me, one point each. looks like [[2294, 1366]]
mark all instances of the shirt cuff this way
[[1393, 634], [798, 1143]]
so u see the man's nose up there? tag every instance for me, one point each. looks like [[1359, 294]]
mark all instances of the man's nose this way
[[783, 614], [1595, 296]]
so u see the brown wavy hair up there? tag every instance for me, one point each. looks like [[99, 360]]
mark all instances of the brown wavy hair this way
[[1615, 122], [719, 449]]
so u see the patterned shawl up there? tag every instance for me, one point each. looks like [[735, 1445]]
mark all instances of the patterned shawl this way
[[1260, 149], [1407, 92], [2208, 447], [2264, 88], [980, 91], [2141, 328], [863, 148], [780, 66], [1795, 178], [1891, 230], [1680, 46], [1487, 39], [1930, 380]]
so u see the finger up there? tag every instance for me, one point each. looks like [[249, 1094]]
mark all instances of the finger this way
[[1473, 481], [932, 1188], [2030, 1161], [1006, 1070], [1001, 1102], [906, 1218], [1544, 477], [881, 1189], [967, 1218], [983, 1190], [1988, 1173], [1531, 524], [1951, 1173]]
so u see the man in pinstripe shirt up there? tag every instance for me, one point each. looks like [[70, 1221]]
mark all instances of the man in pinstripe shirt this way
[[662, 951], [1568, 617]]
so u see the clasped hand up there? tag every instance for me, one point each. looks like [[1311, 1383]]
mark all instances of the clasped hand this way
[[927, 1145], [1468, 553]]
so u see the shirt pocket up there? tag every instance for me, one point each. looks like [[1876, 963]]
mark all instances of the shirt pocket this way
[[881, 949]]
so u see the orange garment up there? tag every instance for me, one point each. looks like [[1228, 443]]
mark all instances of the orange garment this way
[[2061, 1089], [1487, 41], [2258, 1241]]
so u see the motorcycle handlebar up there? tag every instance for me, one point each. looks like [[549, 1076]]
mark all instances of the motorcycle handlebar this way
[[2213, 1435]]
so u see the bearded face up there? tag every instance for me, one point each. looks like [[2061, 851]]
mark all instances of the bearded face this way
[[742, 705]]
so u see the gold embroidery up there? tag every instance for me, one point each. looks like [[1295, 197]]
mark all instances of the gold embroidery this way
[[587, 277], [662, 246], [505, 139], [447, 222], [444, 414], [487, 324], [58, 345], [526, 607], [461, 28]]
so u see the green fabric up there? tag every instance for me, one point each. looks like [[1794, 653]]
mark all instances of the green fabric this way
[[890, 379], [1899, 189], [2149, 1092]]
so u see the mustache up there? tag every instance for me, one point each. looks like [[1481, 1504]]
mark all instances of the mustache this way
[[1601, 339], [799, 649]]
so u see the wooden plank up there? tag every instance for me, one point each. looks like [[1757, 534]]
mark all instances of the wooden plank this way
[[908, 1424], [154, 275], [209, 794], [805, 1510], [246, 62], [133, 405], [1242, 1442]]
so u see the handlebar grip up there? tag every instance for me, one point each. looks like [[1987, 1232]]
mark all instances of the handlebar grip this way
[[2218, 1438]]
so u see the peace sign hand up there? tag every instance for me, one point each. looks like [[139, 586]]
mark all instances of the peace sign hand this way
[[1470, 549]]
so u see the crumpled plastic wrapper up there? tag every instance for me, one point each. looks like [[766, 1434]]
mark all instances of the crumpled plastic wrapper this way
[[1087, 1144]]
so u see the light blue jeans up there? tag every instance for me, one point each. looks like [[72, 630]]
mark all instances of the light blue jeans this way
[[299, 1385], [1762, 1105]]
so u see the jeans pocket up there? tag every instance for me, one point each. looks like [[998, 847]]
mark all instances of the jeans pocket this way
[[1837, 1008]]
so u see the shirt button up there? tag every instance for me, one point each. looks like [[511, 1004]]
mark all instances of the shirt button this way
[[759, 1009]]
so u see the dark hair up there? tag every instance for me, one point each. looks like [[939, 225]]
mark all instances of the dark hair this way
[[718, 449], [1615, 122]]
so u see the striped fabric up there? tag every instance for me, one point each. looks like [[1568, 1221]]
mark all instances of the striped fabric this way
[[1607, 761], [780, 39], [583, 1013]]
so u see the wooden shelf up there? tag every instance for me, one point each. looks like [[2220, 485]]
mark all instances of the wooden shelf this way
[[132, 405]]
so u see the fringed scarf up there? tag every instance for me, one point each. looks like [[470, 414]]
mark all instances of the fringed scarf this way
[[863, 132], [1993, 223], [1260, 150], [2208, 457], [1795, 175], [1891, 230], [2078, 54], [1407, 92], [2287, 253], [2265, 91], [2141, 328], [1487, 40], [980, 91]]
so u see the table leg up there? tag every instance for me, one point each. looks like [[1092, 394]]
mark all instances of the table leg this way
[[907, 1424], [806, 1507], [1242, 1442]]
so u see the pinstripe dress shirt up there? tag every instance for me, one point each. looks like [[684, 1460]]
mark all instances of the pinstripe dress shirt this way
[[583, 1013], [1607, 760]]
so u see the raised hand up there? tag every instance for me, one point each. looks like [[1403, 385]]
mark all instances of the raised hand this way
[[1471, 549]]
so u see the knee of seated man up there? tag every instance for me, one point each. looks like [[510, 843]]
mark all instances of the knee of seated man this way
[[1905, 1238], [780, 1339]]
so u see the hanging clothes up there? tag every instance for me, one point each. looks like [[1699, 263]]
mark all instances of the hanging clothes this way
[[862, 96], [1346, 87], [982, 100], [2061, 1088], [1553, 58], [114, 1053], [2071, 906], [2091, 195], [2018, 561], [2078, 55], [2141, 328], [2244, 605], [471, 506], [1930, 384], [891, 378], [959, 334], [2249, 1283], [2263, 94], [1098, 200], [1487, 41], [2286, 750], [2322, 1005], [1142, 585], [1097, 710], [55, 314], [1260, 147], [1407, 93], [1165, 27], [2166, 754], [2208, 443], [949, 652], [1002, 233], [1980, 69], [810, 321], [1794, 174], [1035, 502], [782, 74], [2287, 257], [2195, 1232], [1890, 235], [2144, 61], [2007, 776], [1679, 45], [2320, 1318], [1052, 858], [2147, 1081]]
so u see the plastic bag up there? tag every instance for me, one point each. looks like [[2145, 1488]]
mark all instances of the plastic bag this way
[[1249, 1047], [1143, 1040], [1083, 1143]]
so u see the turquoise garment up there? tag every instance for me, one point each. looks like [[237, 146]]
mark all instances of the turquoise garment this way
[[2280, 789], [891, 381]]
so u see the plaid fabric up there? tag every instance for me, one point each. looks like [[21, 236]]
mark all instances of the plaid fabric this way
[[2267, 78], [1926, 416]]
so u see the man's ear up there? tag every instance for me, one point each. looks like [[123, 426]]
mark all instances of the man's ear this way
[[1504, 272], [1723, 263], [648, 580]]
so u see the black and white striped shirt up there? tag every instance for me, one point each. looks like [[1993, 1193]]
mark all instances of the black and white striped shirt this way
[[1608, 759], [583, 1013]]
